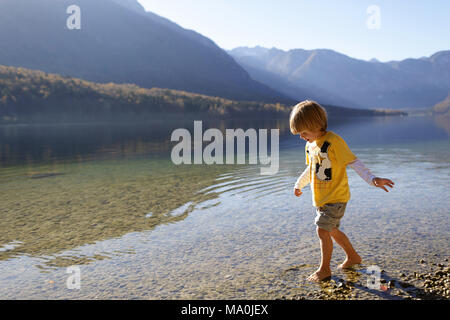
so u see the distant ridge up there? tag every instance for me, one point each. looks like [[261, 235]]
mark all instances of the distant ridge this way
[[120, 42], [333, 77]]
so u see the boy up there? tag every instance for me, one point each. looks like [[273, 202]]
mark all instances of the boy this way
[[327, 156]]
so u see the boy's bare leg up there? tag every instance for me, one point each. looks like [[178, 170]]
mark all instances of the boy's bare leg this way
[[326, 248], [352, 256]]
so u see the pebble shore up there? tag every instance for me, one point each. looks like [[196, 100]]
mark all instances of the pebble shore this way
[[433, 284]]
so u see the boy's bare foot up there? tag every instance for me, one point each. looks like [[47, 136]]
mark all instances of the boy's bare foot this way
[[349, 262], [319, 275]]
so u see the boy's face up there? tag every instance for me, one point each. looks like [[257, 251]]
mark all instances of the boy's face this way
[[311, 135]]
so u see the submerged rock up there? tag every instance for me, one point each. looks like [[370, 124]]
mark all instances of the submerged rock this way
[[45, 175]]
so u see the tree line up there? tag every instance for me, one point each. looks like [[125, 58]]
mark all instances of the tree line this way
[[31, 95]]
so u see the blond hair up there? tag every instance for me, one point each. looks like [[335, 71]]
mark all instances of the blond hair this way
[[308, 115]]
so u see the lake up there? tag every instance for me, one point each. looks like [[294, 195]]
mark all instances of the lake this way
[[108, 200]]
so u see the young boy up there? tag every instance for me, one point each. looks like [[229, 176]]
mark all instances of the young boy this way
[[327, 156]]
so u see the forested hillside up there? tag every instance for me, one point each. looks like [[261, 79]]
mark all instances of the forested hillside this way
[[29, 95]]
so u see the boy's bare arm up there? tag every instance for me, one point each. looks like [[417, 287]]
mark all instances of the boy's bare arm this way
[[382, 182]]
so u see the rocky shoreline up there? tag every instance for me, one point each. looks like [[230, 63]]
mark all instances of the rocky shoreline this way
[[431, 284]]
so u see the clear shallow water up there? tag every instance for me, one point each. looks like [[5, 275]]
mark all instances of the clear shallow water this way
[[109, 200]]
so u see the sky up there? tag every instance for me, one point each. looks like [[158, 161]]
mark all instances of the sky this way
[[382, 29]]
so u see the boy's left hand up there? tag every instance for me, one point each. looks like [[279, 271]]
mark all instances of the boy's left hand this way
[[382, 182]]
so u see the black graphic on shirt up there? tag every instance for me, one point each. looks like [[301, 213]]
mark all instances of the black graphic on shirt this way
[[323, 165]]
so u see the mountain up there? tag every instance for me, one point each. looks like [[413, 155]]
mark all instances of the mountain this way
[[332, 76], [120, 42], [249, 59], [36, 96]]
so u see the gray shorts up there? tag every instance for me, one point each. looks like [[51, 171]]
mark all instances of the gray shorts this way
[[329, 215]]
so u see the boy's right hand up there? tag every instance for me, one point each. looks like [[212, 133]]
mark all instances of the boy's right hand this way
[[298, 192]]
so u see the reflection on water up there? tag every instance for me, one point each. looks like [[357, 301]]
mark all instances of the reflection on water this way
[[31, 144], [109, 199], [443, 121]]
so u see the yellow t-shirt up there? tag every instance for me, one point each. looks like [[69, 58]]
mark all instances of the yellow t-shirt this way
[[327, 158]]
